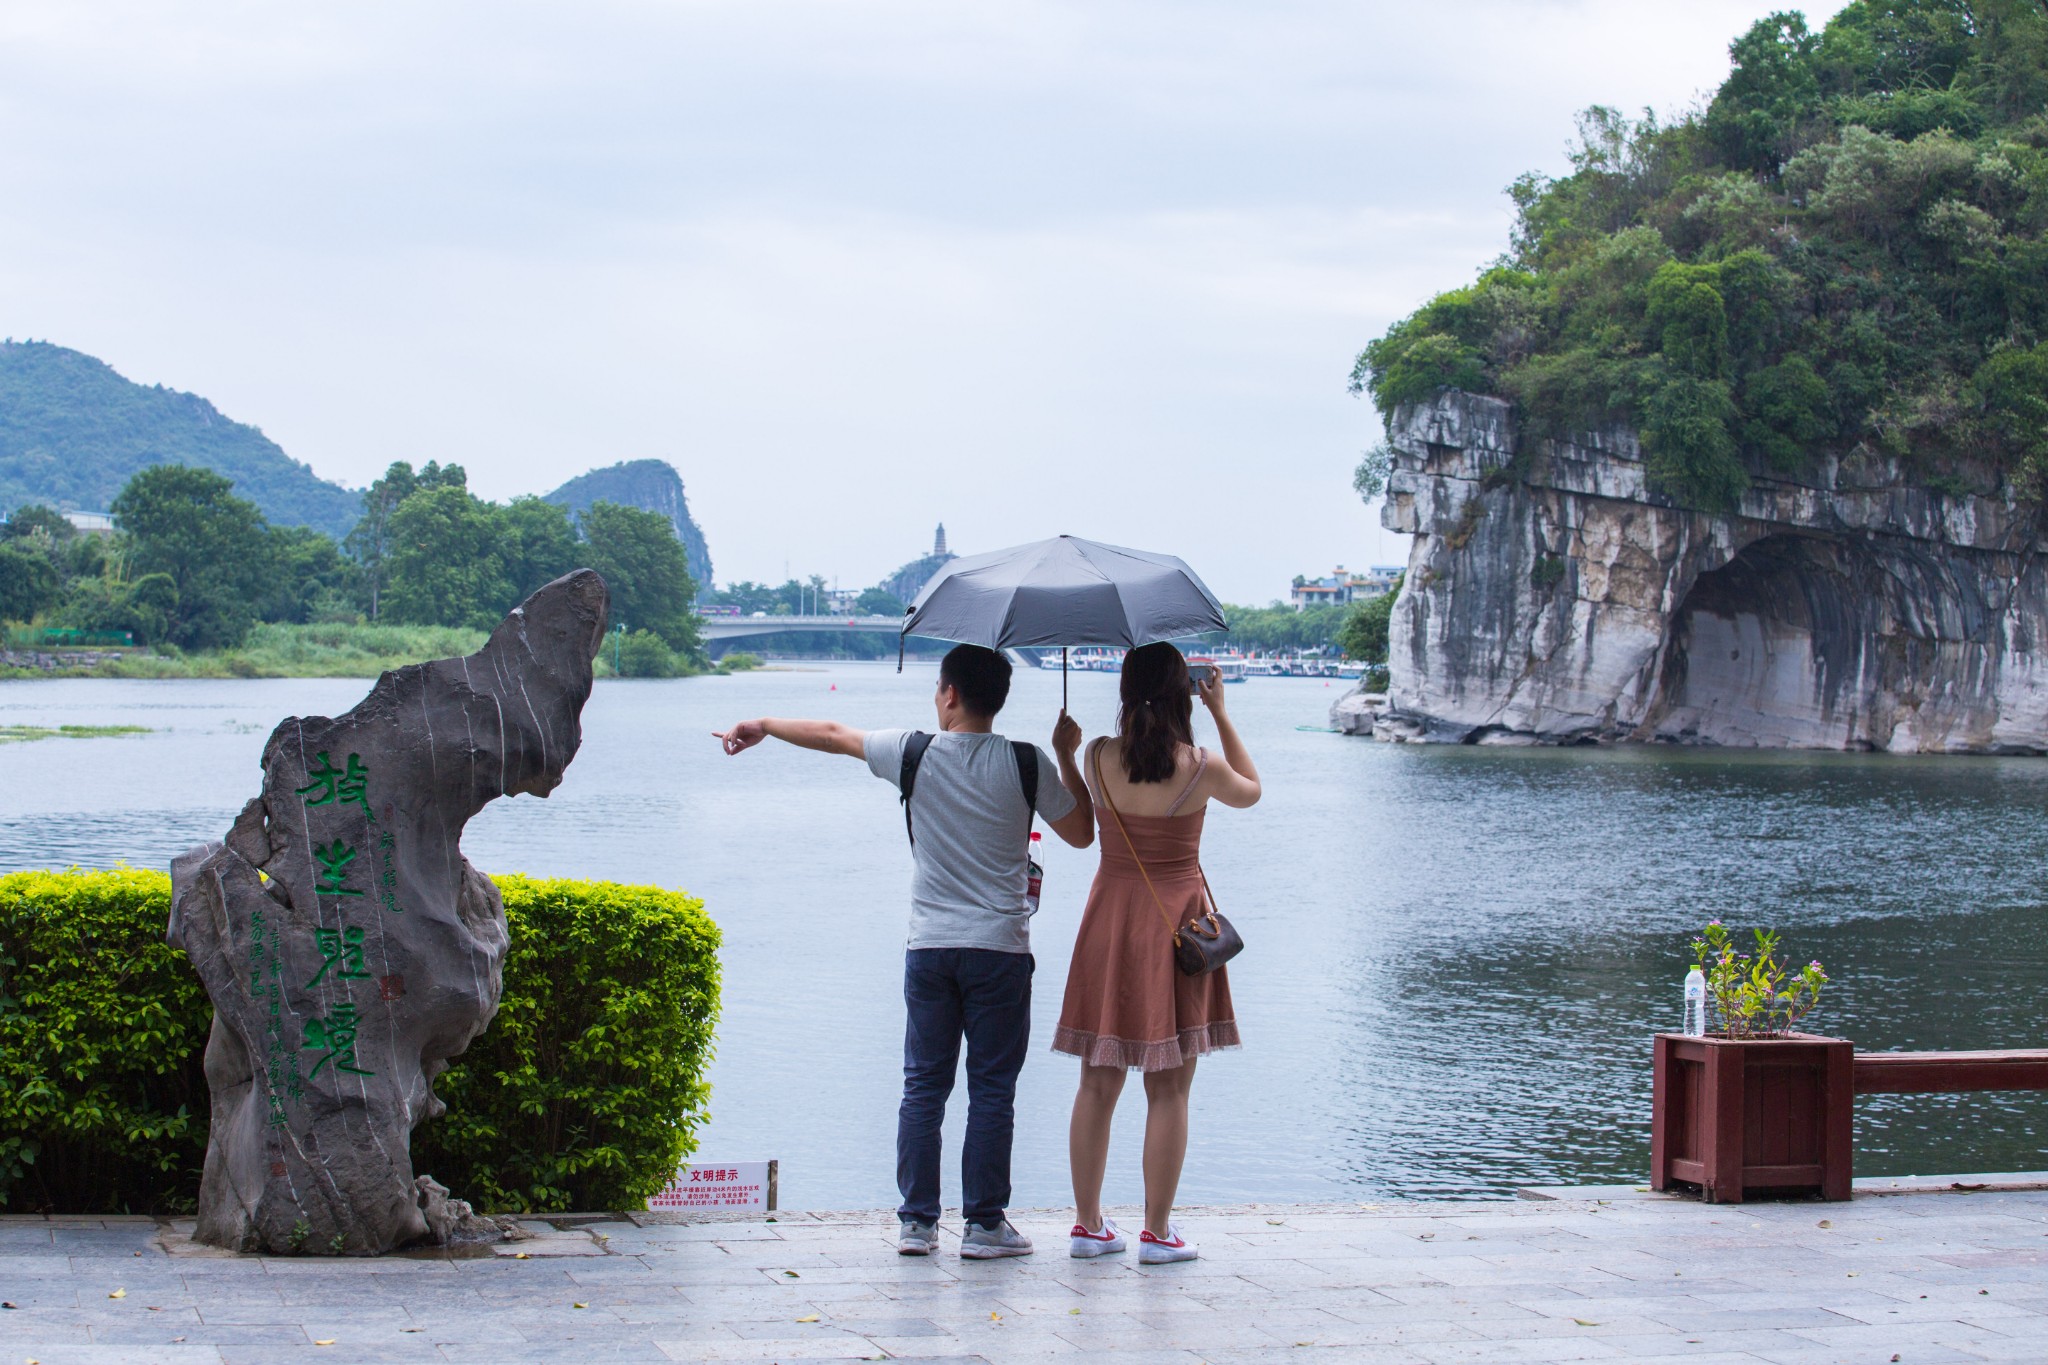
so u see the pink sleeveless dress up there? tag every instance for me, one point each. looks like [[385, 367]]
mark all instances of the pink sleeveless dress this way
[[1127, 1004]]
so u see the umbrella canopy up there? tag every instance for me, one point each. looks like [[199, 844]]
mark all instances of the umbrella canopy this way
[[1064, 591]]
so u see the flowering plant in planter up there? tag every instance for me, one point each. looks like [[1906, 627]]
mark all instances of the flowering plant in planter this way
[[1756, 995]]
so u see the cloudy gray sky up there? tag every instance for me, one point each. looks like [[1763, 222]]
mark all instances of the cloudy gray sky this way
[[1096, 266]]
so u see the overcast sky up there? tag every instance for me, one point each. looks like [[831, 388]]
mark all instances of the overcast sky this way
[[853, 268]]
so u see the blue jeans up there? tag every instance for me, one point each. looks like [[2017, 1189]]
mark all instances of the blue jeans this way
[[985, 995]]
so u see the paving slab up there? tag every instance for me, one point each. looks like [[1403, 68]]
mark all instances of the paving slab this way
[[1927, 1271]]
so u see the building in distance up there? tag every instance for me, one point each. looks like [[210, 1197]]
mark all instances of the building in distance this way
[[1342, 586]]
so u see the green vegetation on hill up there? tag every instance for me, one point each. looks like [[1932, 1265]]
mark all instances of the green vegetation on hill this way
[[73, 432], [1847, 248]]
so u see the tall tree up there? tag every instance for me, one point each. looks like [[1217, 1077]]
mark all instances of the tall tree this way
[[28, 580], [369, 543], [537, 544], [187, 524], [647, 571], [442, 563]]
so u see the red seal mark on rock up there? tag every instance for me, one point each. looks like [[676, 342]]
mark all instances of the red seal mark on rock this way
[[277, 1168], [390, 987]]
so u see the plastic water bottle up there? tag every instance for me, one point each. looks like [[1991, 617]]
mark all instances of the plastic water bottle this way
[[1034, 871], [1695, 1002]]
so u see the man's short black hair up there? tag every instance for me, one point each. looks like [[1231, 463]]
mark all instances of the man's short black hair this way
[[981, 676]]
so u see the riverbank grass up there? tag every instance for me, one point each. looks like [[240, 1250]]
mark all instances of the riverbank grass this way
[[337, 650]]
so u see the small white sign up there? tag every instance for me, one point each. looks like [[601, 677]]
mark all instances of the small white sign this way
[[728, 1186]]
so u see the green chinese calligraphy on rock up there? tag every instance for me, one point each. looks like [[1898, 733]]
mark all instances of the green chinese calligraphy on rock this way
[[343, 948], [335, 1039], [334, 860], [338, 786]]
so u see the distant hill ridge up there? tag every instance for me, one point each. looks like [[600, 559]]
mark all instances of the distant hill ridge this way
[[650, 484], [73, 432]]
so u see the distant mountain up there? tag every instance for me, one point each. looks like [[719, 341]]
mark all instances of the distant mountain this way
[[650, 484], [72, 432]]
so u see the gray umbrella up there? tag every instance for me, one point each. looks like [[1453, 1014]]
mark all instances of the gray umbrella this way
[[1065, 591]]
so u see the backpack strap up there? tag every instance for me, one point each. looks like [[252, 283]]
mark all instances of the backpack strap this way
[[1027, 773], [914, 745], [917, 741]]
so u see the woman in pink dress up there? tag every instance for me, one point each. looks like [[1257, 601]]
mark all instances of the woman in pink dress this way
[[1128, 1006]]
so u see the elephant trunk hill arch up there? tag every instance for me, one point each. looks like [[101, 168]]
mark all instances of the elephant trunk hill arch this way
[[1562, 601]]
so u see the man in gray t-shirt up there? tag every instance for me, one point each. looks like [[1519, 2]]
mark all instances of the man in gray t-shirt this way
[[967, 966]]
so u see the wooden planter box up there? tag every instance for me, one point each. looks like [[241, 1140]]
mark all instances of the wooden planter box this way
[[1737, 1118]]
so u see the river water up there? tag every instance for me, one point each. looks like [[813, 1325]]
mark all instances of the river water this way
[[1455, 956]]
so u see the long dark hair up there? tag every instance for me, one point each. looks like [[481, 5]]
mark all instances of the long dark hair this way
[[1157, 715]]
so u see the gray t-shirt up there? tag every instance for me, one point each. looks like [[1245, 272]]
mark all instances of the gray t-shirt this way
[[973, 832]]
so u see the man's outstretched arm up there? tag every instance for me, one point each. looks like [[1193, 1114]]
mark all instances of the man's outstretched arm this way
[[826, 736]]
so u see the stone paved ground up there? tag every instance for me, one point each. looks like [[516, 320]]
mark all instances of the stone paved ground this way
[[1917, 1278]]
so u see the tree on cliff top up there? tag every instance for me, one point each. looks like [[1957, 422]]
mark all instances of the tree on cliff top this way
[[1848, 247]]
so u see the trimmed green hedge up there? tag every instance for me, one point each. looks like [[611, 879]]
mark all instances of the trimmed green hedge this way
[[103, 1025], [585, 1092], [587, 1089]]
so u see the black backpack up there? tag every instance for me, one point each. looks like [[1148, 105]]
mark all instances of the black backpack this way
[[917, 741]]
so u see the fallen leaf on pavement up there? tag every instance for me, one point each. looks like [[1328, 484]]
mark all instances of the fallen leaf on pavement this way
[[118, 1294], [812, 1318], [579, 1305], [324, 1341], [1584, 1323]]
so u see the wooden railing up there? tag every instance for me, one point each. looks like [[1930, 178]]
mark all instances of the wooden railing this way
[[1950, 1073]]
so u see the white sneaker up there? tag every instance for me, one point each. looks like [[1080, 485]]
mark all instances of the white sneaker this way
[[1082, 1244], [1153, 1251]]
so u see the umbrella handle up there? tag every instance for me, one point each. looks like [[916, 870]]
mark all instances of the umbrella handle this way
[[1063, 679]]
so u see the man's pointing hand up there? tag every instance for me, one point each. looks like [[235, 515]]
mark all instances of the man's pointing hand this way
[[742, 737]]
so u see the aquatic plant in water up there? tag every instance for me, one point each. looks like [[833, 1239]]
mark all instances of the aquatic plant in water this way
[[1756, 995]]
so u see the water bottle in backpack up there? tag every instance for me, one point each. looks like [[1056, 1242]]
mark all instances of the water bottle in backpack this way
[[1034, 872]]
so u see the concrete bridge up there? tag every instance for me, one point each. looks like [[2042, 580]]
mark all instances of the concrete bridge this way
[[741, 627], [720, 632]]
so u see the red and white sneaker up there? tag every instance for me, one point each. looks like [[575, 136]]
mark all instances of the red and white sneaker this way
[[1083, 1244], [1158, 1251]]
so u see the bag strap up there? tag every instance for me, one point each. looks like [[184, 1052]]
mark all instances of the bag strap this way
[[914, 745], [1027, 772], [1102, 785]]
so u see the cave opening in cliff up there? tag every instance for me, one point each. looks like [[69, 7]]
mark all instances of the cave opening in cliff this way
[[1768, 649]]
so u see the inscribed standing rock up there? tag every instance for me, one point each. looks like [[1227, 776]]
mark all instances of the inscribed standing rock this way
[[349, 948]]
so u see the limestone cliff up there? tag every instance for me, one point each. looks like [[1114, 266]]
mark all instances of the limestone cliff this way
[[1563, 601], [652, 485]]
